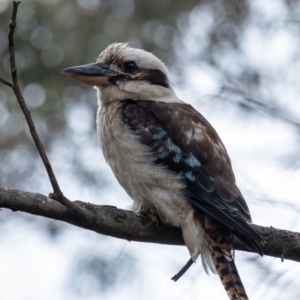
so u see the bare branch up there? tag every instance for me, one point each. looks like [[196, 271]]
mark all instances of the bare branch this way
[[6, 82], [19, 96], [111, 221], [57, 195], [11, 47]]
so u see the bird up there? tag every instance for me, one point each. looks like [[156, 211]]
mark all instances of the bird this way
[[169, 159]]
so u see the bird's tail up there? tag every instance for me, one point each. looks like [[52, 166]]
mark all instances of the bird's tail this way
[[225, 266]]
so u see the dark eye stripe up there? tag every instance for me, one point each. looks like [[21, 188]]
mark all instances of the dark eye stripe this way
[[155, 77]]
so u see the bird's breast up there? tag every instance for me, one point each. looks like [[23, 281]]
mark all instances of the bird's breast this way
[[151, 186]]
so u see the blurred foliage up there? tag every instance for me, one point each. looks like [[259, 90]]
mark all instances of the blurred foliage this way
[[52, 35], [100, 273]]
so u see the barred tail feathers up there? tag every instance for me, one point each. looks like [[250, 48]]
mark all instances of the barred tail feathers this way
[[227, 271]]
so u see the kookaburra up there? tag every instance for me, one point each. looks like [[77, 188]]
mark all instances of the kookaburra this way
[[168, 158]]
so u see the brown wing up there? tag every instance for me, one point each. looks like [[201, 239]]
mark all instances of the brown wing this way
[[183, 140]]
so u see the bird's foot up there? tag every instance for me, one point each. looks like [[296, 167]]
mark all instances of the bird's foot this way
[[153, 217]]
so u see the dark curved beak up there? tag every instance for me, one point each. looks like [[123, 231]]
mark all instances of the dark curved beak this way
[[92, 74]]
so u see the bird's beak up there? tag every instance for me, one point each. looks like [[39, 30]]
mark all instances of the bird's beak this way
[[92, 74]]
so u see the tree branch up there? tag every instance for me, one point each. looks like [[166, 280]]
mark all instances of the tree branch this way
[[111, 221], [4, 81]]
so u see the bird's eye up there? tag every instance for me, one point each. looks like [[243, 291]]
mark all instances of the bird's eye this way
[[130, 67]]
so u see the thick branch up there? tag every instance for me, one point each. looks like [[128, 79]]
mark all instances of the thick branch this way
[[109, 220]]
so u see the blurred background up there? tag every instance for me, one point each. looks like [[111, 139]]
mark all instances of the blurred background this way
[[237, 62]]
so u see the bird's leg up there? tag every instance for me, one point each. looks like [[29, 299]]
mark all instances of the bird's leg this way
[[183, 270]]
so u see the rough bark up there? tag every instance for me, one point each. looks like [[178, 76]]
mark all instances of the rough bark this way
[[123, 224]]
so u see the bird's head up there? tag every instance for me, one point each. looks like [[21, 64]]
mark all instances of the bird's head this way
[[121, 72]]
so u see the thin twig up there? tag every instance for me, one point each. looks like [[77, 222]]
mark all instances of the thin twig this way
[[57, 195], [6, 82], [272, 110], [183, 270], [69, 204]]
